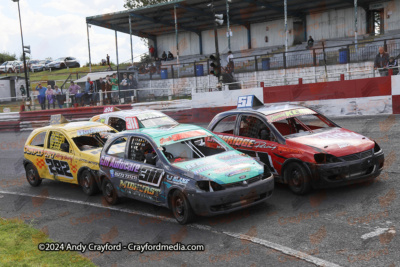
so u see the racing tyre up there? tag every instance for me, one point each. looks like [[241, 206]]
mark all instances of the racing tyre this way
[[32, 175], [298, 178], [109, 192], [88, 183], [181, 208]]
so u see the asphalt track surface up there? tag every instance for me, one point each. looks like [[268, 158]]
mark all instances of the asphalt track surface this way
[[348, 226]]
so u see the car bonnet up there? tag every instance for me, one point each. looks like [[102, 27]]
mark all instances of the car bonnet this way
[[224, 168]]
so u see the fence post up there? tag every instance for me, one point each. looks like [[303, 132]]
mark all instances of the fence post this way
[[194, 67], [284, 60], [314, 57], [348, 53], [256, 63], [208, 66], [385, 45], [172, 71]]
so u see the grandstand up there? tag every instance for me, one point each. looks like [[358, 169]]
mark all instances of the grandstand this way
[[258, 40]]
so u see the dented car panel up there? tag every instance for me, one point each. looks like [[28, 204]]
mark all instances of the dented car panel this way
[[213, 177]]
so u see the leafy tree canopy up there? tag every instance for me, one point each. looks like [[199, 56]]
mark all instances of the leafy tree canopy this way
[[5, 56]]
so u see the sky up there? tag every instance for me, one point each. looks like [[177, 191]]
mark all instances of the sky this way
[[57, 28]]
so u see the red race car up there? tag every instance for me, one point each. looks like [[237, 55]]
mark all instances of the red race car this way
[[302, 148]]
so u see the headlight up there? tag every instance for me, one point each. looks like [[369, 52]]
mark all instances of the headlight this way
[[209, 186], [377, 148], [325, 158]]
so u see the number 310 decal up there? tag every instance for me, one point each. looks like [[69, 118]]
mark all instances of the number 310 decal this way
[[59, 167]]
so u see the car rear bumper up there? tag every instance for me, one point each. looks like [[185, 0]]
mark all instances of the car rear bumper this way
[[346, 173], [231, 199]]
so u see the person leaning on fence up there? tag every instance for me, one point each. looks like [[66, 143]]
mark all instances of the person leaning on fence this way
[[59, 96], [310, 43], [73, 90], [114, 89], [108, 87], [381, 62], [50, 97], [42, 95], [393, 65], [124, 85], [88, 95]]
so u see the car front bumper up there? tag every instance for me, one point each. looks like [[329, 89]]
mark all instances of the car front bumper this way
[[349, 172], [231, 199]]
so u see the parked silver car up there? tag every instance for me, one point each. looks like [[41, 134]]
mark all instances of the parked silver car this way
[[63, 62]]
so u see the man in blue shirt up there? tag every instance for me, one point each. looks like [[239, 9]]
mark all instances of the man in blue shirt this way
[[88, 91], [42, 95]]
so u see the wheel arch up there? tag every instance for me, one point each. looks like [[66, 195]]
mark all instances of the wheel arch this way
[[288, 162]]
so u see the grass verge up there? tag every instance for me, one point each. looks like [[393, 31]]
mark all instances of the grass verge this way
[[19, 247]]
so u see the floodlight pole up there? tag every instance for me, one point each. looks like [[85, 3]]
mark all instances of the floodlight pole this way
[[227, 23], [176, 37], [286, 27], [116, 50], [355, 24], [88, 40], [130, 36], [23, 51]]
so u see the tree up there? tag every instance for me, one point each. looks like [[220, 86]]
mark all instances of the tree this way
[[5, 56], [132, 4]]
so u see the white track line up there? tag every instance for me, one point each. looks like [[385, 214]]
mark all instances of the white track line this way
[[255, 240], [377, 232]]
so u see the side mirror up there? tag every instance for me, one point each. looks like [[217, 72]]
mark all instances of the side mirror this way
[[64, 147]]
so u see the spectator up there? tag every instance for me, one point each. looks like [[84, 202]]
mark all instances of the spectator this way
[[310, 43], [393, 65], [164, 56], [59, 96], [88, 94], [158, 65], [42, 95], [50, 97], [152, 50], [22, 89], [102, 89], [103, 62], [124, 85], [108, 60], [381, 62], [114, 89], [170, 56], [73, 90], [108, 89], [230, 66]]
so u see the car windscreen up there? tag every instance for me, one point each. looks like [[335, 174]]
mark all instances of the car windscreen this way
[[91, 140], [194, 148], [155, 119], [301, 125]]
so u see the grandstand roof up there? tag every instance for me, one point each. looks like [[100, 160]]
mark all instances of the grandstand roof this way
[[196, 16]]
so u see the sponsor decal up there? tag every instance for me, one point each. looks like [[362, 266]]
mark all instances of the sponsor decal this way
[[289, 114], [92, 131], [139, 188], [343, 145], [184, 135], [33, 151], [52, 155], [289, 150], [263, 145], [117, 174], [243, 177], [338, 134], [238, 172], [111, 162], [238, 141], [177, 179]]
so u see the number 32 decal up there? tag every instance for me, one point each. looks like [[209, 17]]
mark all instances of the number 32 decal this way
[[59, 168]]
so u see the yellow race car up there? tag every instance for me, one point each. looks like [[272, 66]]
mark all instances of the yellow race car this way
[[67, 152]]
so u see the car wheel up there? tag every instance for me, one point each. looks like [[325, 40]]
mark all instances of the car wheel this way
[[88, 183], [181, 208], [9, 70], [62, 66], [109, 192], [32, 175], [298, 179], [78, 66]]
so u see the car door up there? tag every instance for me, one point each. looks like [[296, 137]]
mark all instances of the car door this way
[[263, 142], [59, 158], [147, 180], [34, 152]]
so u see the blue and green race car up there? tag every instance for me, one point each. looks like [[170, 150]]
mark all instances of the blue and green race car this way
[[185, 168]]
